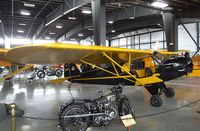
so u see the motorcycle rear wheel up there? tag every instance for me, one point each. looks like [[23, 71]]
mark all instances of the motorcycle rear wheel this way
[[73, 124], [58, 72]]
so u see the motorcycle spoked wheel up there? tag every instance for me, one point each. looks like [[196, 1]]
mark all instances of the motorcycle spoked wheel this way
[[125, 108], [73, 124], [58, 73], [41, 74]]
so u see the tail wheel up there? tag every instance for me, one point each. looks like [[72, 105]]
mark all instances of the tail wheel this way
[[73, 123], [125, 108], [58, 72], [156, 101], [170, 92], [41, 74]]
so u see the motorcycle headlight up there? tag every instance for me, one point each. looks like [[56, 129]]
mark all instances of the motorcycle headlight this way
[[119, 89]]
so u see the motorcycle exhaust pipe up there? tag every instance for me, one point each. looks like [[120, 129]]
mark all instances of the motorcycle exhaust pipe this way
[[85, 115]]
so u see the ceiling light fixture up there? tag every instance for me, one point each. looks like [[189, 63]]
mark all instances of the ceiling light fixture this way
[[110, 22], [52, 33], [86, 11], [80, 35], [71, 18], [131, 18], [47, 38], [0, 21], [72, 39], [20, 31], [29, 5], [159, 4], [19, 36], [90, 28], [113, 31], [22, 24], [59, 27], [23, 12]]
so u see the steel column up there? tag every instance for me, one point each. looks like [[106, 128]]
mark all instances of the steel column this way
[[99, 21], [171, 31], [198, 36]]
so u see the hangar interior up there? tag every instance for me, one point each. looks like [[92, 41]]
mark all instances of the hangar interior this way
[[170, 25]]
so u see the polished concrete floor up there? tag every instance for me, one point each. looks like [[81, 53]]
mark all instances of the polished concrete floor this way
[[41, 99]]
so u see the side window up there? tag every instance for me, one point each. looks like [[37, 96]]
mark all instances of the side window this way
[[137, 65]]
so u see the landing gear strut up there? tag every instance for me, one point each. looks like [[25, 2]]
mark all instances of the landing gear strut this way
[[156, 90]]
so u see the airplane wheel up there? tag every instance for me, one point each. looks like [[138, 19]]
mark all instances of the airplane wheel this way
[[40, 74], [170, 92], [58, 72], [156, 101]]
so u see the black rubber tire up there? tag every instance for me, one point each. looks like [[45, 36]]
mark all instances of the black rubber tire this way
[[1, 70], [41, 74], [58, 72], [66, 123], [156, 101], [125, 108], [170, 92]]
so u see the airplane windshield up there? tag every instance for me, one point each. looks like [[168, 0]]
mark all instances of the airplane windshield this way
[[158, 57]]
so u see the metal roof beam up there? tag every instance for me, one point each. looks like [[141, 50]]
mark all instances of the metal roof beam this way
[[130, 12], [63, 9]]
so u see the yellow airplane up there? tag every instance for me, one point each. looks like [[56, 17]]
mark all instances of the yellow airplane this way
[[108, 65], [196, 67]]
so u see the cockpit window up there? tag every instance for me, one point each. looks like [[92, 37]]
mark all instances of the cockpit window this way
[[159, 58], [137, 65]]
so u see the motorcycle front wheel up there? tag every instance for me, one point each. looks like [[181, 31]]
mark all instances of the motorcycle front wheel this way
[[125, 108], [73, 123]]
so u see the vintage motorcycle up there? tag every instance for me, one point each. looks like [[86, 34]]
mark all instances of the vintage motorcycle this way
[[41, 73], [80, 114]]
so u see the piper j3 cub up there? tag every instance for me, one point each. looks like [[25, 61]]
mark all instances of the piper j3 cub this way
[[120, 66]]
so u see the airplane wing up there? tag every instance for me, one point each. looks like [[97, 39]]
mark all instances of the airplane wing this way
[[3, 54], [3, 59], [69, 53]]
